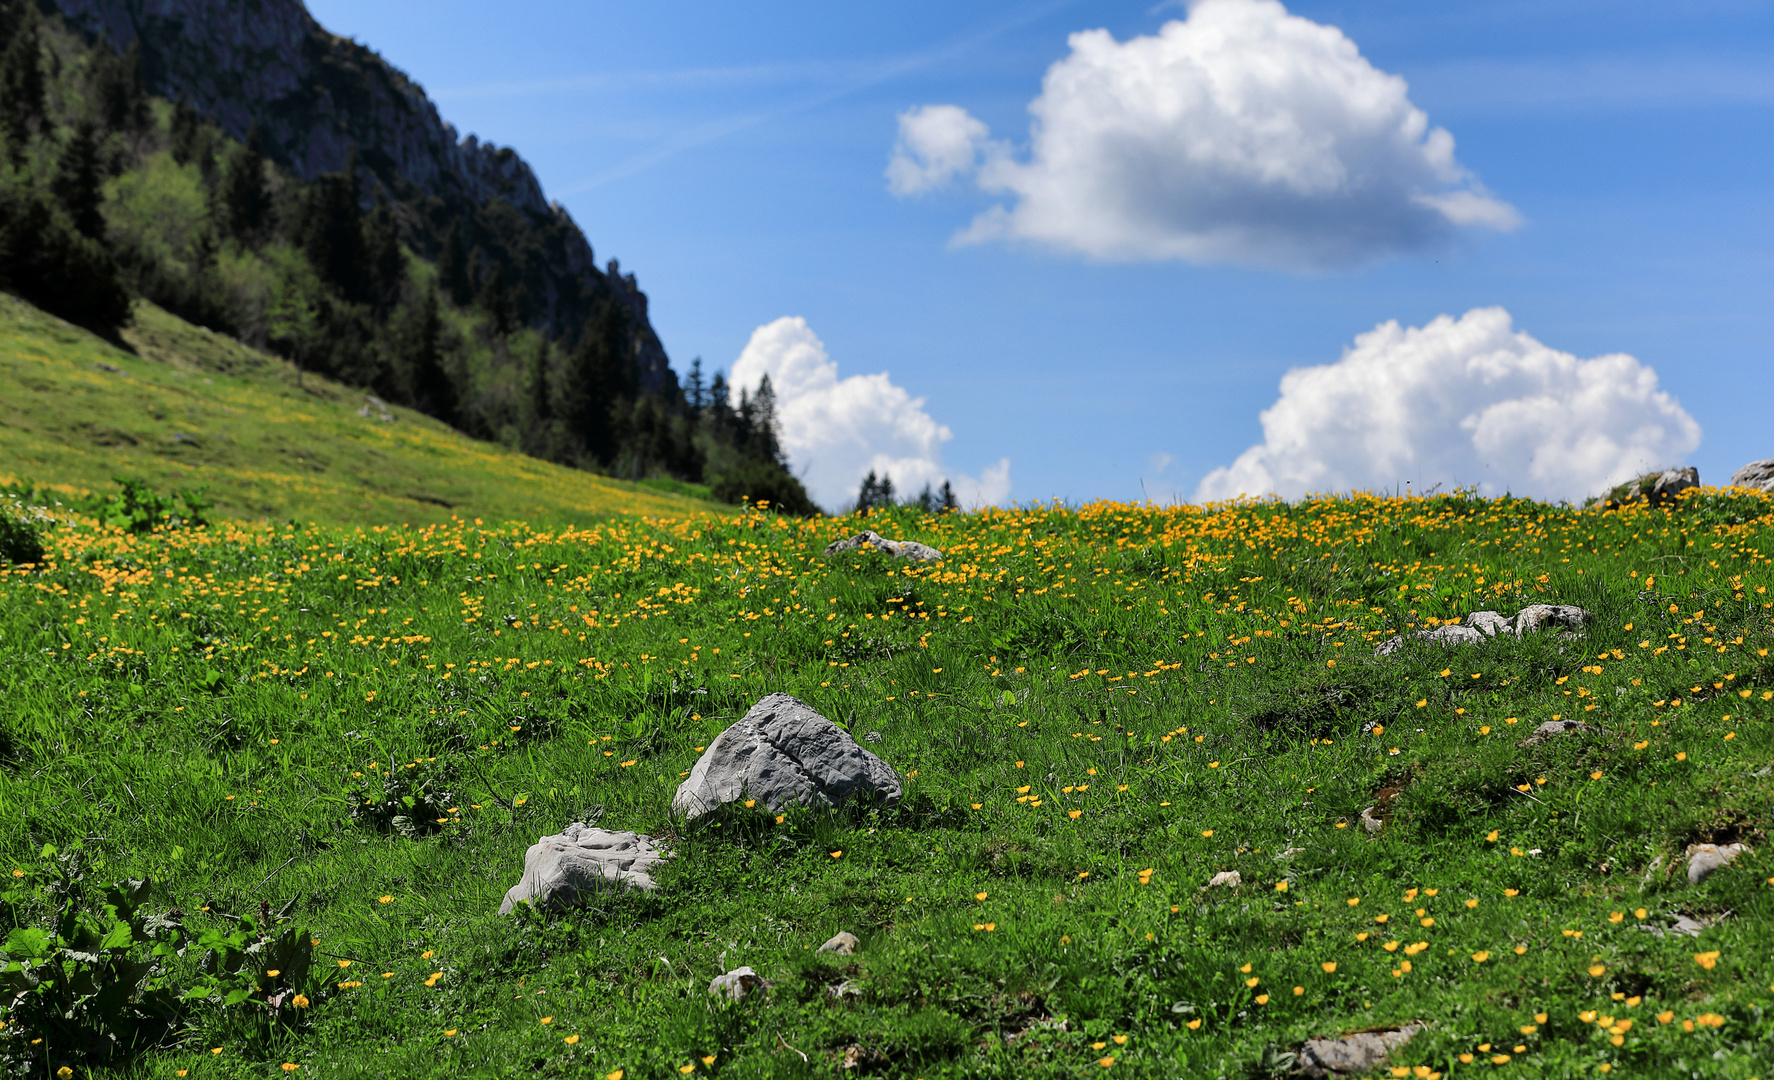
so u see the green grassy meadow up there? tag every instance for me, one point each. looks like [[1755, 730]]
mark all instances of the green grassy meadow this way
[[1096, 710], [183, 407]]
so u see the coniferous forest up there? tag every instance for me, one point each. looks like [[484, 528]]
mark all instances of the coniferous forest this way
[[462, 307]]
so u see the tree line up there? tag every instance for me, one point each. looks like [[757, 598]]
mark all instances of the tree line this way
[[109, 193]]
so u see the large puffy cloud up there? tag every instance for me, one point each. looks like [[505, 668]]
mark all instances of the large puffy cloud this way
[[835, 430], [1241, 134], [1460, 401]]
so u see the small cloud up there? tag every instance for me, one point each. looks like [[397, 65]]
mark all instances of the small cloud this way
[[1460, 401], [937, 143], [836, 430], [1239, 134], [1159, 462]]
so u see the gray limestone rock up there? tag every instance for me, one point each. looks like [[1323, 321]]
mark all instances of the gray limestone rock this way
[[1229, 879], [1541, 616], [1482, 625], [1489, 623], [1757, 474], [1683, 927], [561, 870], [1371, 821], [736, 984], [1667, 487], [1389, 646], [872, 541], [1360, 1054], [1441, 635], [1706, 859], [843, 943], [1553, 728], [1454, 635], [784, 753]]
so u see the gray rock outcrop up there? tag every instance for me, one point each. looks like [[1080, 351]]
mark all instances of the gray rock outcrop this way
[[783, 753], [581, 861], [1757, 474], [872, 541], [1488, 623], [1672, 483], [843, 943], [1656, 488], [1359, 1054], [1227, 879], [1541, 616], [1480, 625]]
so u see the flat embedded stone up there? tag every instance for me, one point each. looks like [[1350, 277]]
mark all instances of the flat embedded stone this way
[[1551, 729], [1704, 860], [1360, 1054]]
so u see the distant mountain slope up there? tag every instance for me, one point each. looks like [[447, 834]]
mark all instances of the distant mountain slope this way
[[315, 97], [191, 408]]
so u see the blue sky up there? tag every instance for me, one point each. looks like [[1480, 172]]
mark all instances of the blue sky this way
[[734, 158]]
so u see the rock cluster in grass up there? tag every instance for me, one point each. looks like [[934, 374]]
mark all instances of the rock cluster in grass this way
[[1757, 474], [580, 862], [1656, 488], [1360, 1054], [867, 540], [1482, 625], [783, 753]]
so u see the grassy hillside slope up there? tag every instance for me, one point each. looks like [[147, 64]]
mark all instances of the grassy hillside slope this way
[[1096, 711], [190, 408]]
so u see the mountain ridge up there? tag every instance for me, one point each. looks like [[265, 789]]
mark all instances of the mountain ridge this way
[[314, 97]]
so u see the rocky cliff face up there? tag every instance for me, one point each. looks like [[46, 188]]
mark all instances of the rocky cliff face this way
[[316, 96]]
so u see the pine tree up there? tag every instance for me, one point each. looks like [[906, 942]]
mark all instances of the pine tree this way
[[949, 502], [21, 76], [433, 391], [330, 231], [597, 378], [78, 185], [453, 267], [495, 299], [876, 493], [694, 391], [766, 437], [385, 265], [117, 97], [246, 203]]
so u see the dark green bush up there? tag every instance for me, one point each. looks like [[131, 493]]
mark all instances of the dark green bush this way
[[20, 542]]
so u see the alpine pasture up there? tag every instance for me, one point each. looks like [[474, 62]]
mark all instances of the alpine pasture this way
[[349, 736]]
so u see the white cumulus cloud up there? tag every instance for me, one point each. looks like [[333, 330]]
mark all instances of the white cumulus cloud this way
[[1241, 134], [1460, 401], [936, 144], [835, 430]]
